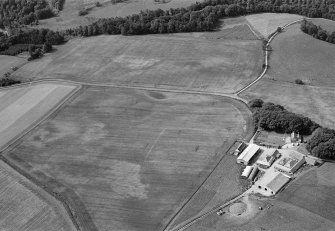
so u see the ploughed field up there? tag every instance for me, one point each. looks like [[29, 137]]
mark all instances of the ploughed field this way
[[24, 206], [21, 107], [165, 61], [130, 157], [296, 55]]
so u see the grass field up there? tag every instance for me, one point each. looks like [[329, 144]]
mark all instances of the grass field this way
[[132, 157], [237, 32], [297, 55], [21, 107], [268, 23], [7, 62], [275, 216], [294, 57], [26, 207], [317, 187], [178, 62], [324, 23]]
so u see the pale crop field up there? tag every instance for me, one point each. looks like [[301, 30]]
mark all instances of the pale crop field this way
[[21, 107], [132, 157], [26, 207], [169, 61], [267, 23], [7, 62]]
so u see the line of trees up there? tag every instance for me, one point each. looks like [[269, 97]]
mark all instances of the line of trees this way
[[202, 16], [317, 31], [274, 117]]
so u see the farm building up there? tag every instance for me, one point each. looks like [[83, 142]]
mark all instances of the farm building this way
[[290, 163], [267, 157], [247, 154], [246, 172], [240, 148], [270, 184]]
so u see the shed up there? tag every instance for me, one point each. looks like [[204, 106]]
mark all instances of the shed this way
[[253, 173], [246, 172]]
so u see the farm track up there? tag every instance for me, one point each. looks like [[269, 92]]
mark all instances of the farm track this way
[[72, 212]]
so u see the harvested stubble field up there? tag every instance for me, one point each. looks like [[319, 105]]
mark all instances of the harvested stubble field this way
[[26, 207], [267, 23], [132, 157], [176, 62], [7, 62], [293, 57], [21, 107]]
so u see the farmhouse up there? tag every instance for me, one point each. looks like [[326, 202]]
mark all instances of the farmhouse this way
[[291, 163], [270, 184], [267, 157], [247, 154]]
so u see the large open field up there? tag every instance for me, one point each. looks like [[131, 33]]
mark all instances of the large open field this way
[[178, 62], [131, 157], [26, 207], [21, 107], [268, 23], [297, 55], [7, 62]]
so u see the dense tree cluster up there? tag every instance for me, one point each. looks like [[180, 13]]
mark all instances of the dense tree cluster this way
[[317, 32], [13, 12], [322, 143], [7, 82], [272, 117], [35, 36]]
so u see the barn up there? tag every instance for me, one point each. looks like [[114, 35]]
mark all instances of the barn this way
[[247, 154]]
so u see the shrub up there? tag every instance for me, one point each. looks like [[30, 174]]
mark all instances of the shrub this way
[[83, 12], [299, 81]]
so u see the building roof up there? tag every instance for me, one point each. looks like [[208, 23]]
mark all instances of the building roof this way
[[290, 161], [278, 182], [267, 156], [248, 153]]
